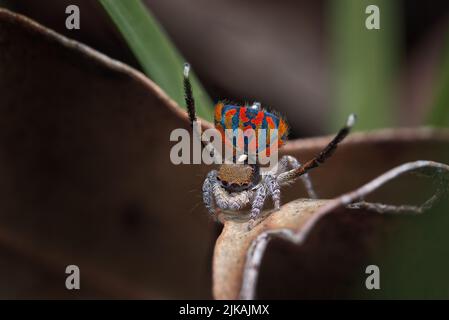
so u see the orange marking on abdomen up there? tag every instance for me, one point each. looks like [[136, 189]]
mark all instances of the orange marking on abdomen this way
[[228, 118], [270, 122], [218, 110], [283, 128]]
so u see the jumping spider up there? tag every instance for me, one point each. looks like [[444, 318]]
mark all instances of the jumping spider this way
[[236, 185]]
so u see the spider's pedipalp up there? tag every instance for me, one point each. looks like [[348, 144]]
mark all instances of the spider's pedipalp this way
[[231, 201]]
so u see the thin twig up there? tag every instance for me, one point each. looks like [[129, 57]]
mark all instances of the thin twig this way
[[392, 209]]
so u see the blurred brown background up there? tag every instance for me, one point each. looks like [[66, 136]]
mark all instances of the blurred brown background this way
[[280, 53]]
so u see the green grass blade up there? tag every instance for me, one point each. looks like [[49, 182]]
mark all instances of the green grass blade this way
[[439, 113], [364, 63], [158, 57]]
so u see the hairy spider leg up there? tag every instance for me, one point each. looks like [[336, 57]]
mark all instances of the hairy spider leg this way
[[287, 163], [191, 110], [188, 94], [320, 158]]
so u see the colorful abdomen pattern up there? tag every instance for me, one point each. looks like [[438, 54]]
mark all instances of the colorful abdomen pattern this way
[[245, 117]]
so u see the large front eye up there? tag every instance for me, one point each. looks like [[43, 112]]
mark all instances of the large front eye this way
[[224, 183]]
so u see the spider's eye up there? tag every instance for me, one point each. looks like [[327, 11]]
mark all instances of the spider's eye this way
[[224, 183], [218, 178], [234, 185]]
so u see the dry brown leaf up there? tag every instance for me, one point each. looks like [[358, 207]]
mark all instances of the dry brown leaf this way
[[232, 246], [239, 252]]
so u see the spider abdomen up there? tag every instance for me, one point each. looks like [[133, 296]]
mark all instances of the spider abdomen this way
[[233, 117]]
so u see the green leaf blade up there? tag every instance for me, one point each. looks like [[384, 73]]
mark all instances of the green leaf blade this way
[[157, 55], [364, 63], [439, 113]]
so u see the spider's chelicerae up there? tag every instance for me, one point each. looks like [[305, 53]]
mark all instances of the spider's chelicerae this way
[[237, 185]]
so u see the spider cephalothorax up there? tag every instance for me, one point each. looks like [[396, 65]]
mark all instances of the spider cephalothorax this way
[[238, 185], [238, 177]]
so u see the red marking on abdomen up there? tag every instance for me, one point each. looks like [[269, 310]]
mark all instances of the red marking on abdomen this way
[[230, 113], [242, 115], [258, 119], [218, 109], [270, 122]]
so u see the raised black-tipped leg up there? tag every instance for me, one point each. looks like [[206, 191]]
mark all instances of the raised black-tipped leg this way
[[188, 95], [322, 156]]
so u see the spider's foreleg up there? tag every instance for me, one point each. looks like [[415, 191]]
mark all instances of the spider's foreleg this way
[[208, 191], [274, 189], [257, 205], [287, 163]]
